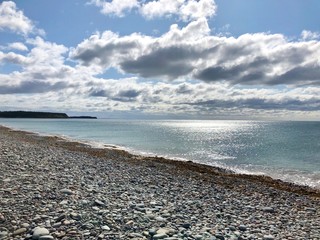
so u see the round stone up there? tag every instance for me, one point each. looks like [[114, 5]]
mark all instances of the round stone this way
[[66, 191], [46, 237], [38, 232], [106, 228], [160, 236], [19, 231], [268, 237], [268, 209], [242, 228]]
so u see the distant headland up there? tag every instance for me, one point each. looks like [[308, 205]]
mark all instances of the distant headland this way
[[29, 114]]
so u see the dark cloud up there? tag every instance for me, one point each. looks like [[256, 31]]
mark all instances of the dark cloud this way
[[102, 55], [251, 72], [127, 95], [121, 96], [98, 93], [184, 89], [262, 104], [170, 62], [43, 74], [33, 87], [310, 74]]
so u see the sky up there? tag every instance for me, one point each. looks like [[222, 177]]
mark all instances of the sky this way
[[199, 59]]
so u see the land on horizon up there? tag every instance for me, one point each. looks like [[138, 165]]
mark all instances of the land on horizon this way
[[30, 114]]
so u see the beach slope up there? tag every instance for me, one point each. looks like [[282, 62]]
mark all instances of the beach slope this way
[[51, 188]]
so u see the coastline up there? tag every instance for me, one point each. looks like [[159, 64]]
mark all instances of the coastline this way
[[73, 180], [115, 152]]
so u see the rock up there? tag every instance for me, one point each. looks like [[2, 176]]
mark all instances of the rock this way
[[61, 217], [160, 219], [311, 210], [219, 236], [46, 237], [19, 231], [3, 234], [268, 209], [152, 231], [268, 237], [242, 228], [106, 228], [160, 236], [75, 216], [66, 191], [64, 202], [186, 225], [232, 228], [166, 231], [39, 231], [25, 225], [2, 218], [98, 203]]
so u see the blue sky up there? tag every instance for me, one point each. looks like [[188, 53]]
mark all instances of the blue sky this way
[[183, 58]]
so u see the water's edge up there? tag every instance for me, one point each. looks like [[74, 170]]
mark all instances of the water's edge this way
[[118, 153]]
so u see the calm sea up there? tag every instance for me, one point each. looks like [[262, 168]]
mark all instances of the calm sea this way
[[286, 150]]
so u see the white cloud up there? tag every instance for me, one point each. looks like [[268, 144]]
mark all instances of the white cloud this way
[[13, 19], [209, 73], [308, 35], [115, 7], [191, 52], [160, 8], [186, 10], [18, 46], [14, 58], [195, 9], [43, 69]]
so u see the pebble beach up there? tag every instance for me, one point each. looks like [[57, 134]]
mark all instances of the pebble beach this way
[[51, 188]]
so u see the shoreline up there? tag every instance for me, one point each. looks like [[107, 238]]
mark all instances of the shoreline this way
[[51, 188], [205, 170]]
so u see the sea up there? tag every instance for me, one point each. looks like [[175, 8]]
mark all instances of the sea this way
[[286, 150]]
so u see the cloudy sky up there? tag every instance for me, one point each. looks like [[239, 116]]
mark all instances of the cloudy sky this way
[[176, 58]]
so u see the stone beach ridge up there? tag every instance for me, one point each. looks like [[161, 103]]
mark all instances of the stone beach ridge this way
[[51, 188]]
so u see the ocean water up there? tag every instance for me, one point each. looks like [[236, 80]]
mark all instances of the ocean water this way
[[283, 150]]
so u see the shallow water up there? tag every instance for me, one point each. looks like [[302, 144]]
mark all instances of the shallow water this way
[[286, 150]]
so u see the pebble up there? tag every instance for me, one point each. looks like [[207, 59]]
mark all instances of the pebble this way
[[106, 228], [66, 191], [46, 237], [63, 194], [268, 209], [242, 228], [160, 236], [19, 231], [268, 237], [39, 231], [98, 202]]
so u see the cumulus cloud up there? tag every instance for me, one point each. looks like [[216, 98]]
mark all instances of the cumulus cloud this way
[[308, 35], [199, 97], [43, 69], [14, 58], [195, 9], [257, 103], [116, 7], [13, 19], [17, 46], [32, 87], [185, 10], [192, 53], [212, 71]]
